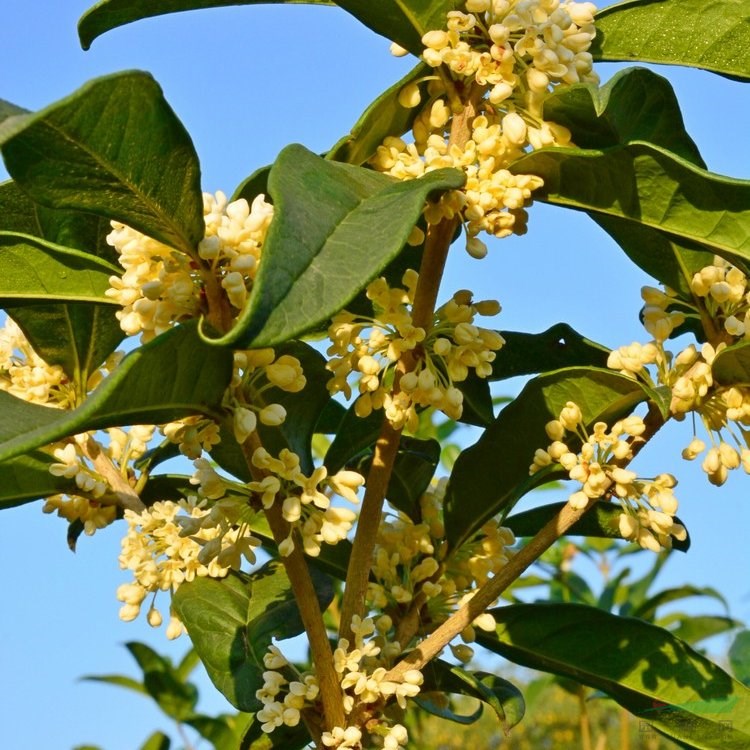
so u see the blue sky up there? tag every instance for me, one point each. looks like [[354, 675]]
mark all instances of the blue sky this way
[[246, 82]]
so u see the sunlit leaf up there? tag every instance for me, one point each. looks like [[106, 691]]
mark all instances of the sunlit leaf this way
[[645, 669], [116, 149], [714, 36]]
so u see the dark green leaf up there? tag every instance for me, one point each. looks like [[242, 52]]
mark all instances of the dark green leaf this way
[[116, 149], [490, 476], [732, 365], [637, 592], [27, 478], [477, 404], [175, 697], [32, 270], [601, 521], [138, 392], [384, 117], [17, 211], [739, 656], [253, 186], [557, 347], [503, 697], [79, 338], [403, 21], [282, 738], [634, 105], [647, 185], [233, 620], [644, 668], [109, 14], [8, 109], [714, 36], [335, 228], [223, 732], [355, 435]]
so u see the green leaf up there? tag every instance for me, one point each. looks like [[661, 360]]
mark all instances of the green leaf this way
[[116, 149], [636, 104], [602, 521], [477, 403], [739, 657], [647, 610], [119, 680], [503, 697], [32, 270], [732, 365], [8, 109], [138, 392], [695, 628], [355, 435], [174, 697], [403, 21], [282, 738], [157, 741], [233, 620], [493, 474], [645, 669], [713, 36], [26, 478], [224, 732], [384, 117], [335, 228], [557, 347], [647, 185], [109, 14], [17, 211]]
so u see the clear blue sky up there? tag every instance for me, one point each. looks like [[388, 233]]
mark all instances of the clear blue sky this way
[[246, 82]]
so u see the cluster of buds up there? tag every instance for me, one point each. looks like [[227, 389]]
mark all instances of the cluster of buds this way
[[648, 505], [161, 287], [721, 302], [173, 542], [510, 54], [447, 351], [256, 372], [410, 563], [361, 668], [305, 506]]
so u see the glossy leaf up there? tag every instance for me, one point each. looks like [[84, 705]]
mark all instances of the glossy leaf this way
[[714, 36], [116, 149], [33, 270], [636, 104], [647, 609], [233, 620], [27, 478], [384, 117], [493, 474], [224, 732], [557, 347], [282, 738], [137, 393], [696, 628], [647, 185], [109, 14], [501, 696], [645, 669], [335, 228], [17, 211], [355, 435], [602, 521]]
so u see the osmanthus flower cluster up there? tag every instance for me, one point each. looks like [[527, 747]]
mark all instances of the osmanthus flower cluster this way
[[361, 667], [648, 505], [509, 54], [161, 286], [443, 355], [721, 300], [412, 565]]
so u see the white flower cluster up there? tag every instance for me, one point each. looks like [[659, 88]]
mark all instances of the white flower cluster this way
[[162, 286], [362, 671], [410, 562], [304, 506], [172, 542], [448, 350], [722, 304], [510, 54], [648, 505], [255, 372]]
